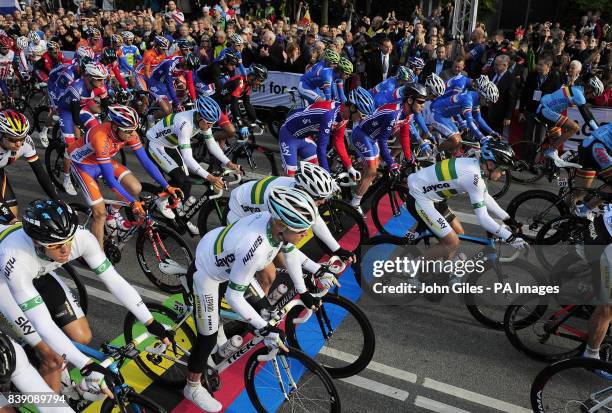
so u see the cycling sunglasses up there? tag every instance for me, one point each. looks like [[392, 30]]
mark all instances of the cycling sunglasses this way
[[12, 139], [58, 245]]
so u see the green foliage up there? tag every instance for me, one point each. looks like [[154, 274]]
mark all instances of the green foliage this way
[[486, 7]]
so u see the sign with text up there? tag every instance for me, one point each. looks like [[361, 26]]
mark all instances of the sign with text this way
[[273, 92]]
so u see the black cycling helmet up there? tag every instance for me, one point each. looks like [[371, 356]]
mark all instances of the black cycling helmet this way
[[414, 90], [7, 359], [231, 58], [108, 56], [191, 61], [259, 71], [49, 222], [499, 152]]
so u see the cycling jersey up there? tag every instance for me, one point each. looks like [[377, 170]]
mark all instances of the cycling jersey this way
[[251, 197], [321, 82], [132, 56], [48, 62], [91, 157], [232, 91], [6, 70], [59, 78], [22, 304], [175, 132], [466, 104], [385, 95], [321, 119], [227, 50], [149, 61], [594, 155], [113, 69], [604, 135], [445, 179], [161, 81], [216, 75], [70, 103], [457, 84]]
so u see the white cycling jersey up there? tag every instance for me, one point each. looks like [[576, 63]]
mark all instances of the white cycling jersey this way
[[251, 197], [175, 131], [27, 149], [21, 263], [6, 64], [235, 253], [450, 177]]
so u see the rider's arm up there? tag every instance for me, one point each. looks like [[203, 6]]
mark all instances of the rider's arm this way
[[214, 149], [108, 173], [150, 167], [340, 145], [43, 178], [467, 114], [588, 116], [481, 122], [477, 191], [338, 91], [494, 207], [17, 320], [250, 110], [324, 234], [294, 259], [169, 81], [323, 140], [117, 73], [190, 85], [420, 120], [183, 133]]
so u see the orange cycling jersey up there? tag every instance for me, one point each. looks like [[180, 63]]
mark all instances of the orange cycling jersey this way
[[99, 145], [150, 59]]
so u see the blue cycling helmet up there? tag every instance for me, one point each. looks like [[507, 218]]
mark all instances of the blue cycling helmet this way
[[403, 73], [161, 42], [363, 100], [497, 151], [208, 109], [184, 44], [416, 62], [293, 206]]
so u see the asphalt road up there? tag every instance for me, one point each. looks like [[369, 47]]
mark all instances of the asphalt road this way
[[428, 358]]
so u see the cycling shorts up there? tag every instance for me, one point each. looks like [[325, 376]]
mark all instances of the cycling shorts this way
[[598, 252], [168, 159], [550, 118], [292, 147], [62, 303], [87, 176], [309, 94], [435, 216], [160, 91], [595, 158], [446, 126], [365, 147]]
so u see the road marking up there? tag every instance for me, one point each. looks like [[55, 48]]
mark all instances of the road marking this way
[[377, 387], [473, 397], [95, 292], [436, 406], [374, 366], [144, 292]]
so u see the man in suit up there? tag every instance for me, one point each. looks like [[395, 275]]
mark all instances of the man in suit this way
[[456, 69], [500, 112], [436, 65], [382, 64]]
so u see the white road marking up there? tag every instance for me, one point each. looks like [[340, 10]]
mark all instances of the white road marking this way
[[94, 292], [473, 397], [436, 406], [377, 387]]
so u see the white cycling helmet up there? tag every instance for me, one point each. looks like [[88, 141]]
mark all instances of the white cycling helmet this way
[[96, 70], [294, 207], [481, 81], [85, 51], [596, 85], [22, 42], [315, 180], [34, 37], [435, 84], [489, 91], [38, 50], [236, 39], [127, 35]]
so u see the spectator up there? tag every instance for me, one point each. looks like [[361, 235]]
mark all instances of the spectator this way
[[270, 53], [474, 52], [219, 43], [436, 65], [606, 97], [381, 64], [295, 62], [349, 51], [571, 77], [500, 112], [457, 69]]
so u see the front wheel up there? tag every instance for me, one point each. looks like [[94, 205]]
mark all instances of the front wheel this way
[[269, 384], [535, 208], [132, 402], [355, 337], [345, 224], [54, 163], [213, 215]]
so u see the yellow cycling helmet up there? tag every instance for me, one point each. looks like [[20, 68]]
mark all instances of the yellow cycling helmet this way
[[345, 66]]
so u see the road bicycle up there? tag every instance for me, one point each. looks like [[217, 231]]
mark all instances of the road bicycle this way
[[161, 253]]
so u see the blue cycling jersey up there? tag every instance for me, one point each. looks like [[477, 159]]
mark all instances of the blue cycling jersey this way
[[76, 92], [163, 74], [320, 77], [132, 55], [563, 98], [388, 85], [59, 79], [385, 94], [604, 135], [467, 105], [457, 84]]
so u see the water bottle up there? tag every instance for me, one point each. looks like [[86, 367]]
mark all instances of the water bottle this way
[[277, 294], [230, 346]]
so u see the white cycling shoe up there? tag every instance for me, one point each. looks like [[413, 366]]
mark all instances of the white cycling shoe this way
[[201, 397], [162, 206], [42, 136], [68, 187]]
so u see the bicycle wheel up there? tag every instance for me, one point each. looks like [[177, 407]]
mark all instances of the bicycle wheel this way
[[388, 203], [163, 255], [277, 116], [535, 208], [160, 369], [257, 161], [84, 214], [345, 224], [67, 271], [356, 337], [315, 390], [530, 162], [566, 233], [54, 163], [498, 189], [213, 215], [132, 403], [572, 385], [546, 331], [489, 309]]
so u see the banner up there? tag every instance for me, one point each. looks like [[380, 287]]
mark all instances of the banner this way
[[273, 92], [601, 114], [8, 6]]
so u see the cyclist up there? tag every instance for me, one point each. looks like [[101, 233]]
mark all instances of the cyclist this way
[[22, 67], [182, 47], [370, 136], [237, 45], [16, 368], [49, 60], [37, 46], [234, 253], [238, 88], [14, 144], [81, 93], [91, 158], [7, 58], [430, 187], [325, 81], [467, 105], [130, 51], [550, 110], [153, 57], [30, 251], [161, 82], [93, 39], [387, 91], [116, 43], [416, 64], [169, 145], [108, 58]]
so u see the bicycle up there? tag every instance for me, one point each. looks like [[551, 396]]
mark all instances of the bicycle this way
[[170, 254]]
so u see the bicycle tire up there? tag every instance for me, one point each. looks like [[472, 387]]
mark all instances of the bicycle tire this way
[[533, 222], [213, 214], [54, 163], [137, 404], [164, 233], [544, 377], [155, 367], [341, 218], [537, 163], [277, 116], [477, 311], [364, 355], [503, 189], [570, 228], [265, 157], [383, 199], [253, 374]]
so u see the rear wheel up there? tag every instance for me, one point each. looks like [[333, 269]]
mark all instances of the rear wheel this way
[[345, 224], [534, 209], [530, 162], [389, 203]]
